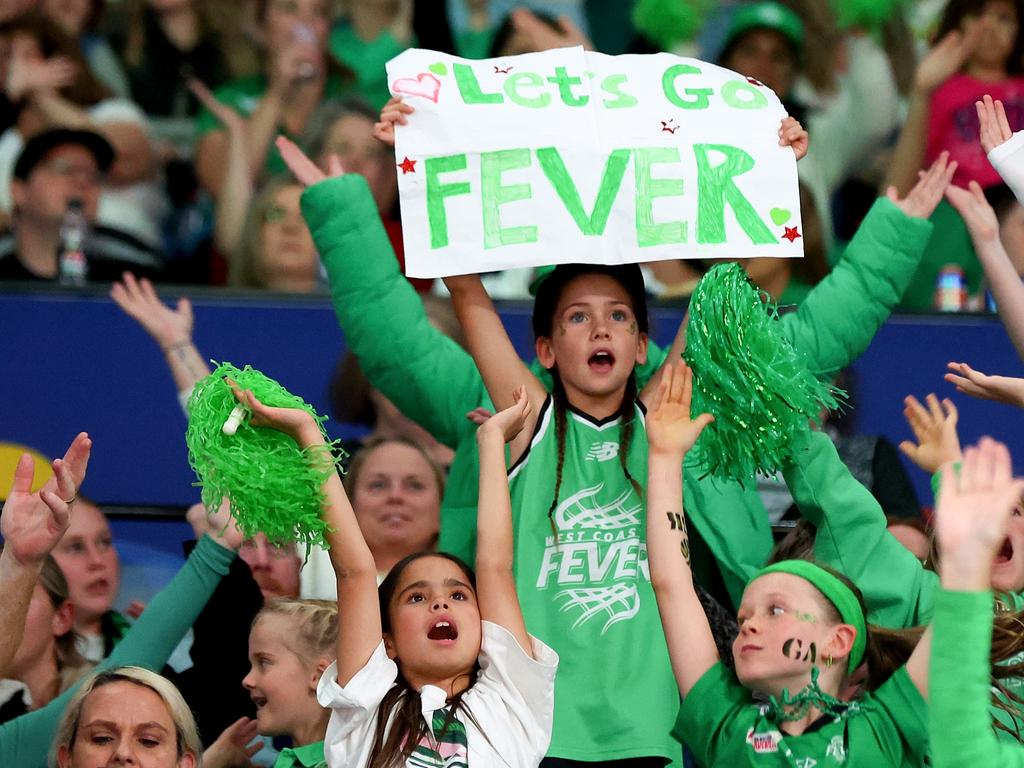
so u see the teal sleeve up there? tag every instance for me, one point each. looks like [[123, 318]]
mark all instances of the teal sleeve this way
[[959, 685], [852, 536], [428, 376], [842, 313], [906, 713], [25, 740]]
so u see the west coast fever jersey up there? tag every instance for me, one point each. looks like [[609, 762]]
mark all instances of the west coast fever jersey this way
[[587, 592]]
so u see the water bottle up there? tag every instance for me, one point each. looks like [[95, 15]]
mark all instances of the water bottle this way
[[74, 228], [951, 289]]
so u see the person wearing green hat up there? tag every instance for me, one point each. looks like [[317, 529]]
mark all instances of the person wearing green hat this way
[[803, 634]]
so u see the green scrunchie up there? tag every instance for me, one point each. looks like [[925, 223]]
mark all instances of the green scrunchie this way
[[749, 376], [272, 485], [837, 593]]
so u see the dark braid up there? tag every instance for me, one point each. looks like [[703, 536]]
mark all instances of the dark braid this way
[[560, 403], [627, 413]]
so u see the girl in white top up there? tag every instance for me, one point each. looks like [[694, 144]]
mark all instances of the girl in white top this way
[[437, 669]]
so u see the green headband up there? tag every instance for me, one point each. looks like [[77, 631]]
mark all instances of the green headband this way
[[840, 595]]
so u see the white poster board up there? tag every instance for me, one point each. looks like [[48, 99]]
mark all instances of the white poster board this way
[[572, 156]]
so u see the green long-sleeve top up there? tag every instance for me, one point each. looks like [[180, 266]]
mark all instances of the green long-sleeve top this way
[[435, 382], [959, 685], [25, 741]]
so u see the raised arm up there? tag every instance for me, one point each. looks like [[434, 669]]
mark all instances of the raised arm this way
[[972, 513], [32, 524], [358, 608], [670, 434], [1002, 145], [495, 583], [837, 320], [170, 328]]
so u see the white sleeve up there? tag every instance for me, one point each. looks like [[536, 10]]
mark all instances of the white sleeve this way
[[523, 684], [354, 708], [1008, 160]]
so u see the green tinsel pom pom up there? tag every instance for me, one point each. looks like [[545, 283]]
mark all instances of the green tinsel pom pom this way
[[668, 22], [867, 14], [749, 376], [273, 486]]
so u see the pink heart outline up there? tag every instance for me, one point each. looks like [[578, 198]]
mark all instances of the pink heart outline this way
[[416, 86]]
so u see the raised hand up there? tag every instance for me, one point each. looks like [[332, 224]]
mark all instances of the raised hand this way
[[995, 128], [33, 523], [394, 112], [973, 507], [232, 748], [222, 527], [169, 327], [920, 201], [509, 422], [670, 430], [935, 431], [945, 59], [294, 422], [305, 170], [792, 134], [232, 121], [479, 415], [1002, 389], [26, 76], [975, 210]]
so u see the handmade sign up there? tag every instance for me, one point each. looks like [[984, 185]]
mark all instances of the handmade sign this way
[[572, 156]]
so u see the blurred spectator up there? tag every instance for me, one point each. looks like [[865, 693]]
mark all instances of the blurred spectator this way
[[276, 251], [55, 168], [374, 32], [913, 534], [769, 42], [298, 75], [46, 75], [78, 19], [473, 41], [164, 44]]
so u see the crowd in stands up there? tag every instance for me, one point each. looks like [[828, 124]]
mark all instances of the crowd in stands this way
[[624, 607]]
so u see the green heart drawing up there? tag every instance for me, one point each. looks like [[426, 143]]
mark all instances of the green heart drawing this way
[[780, 215], [439, 68]]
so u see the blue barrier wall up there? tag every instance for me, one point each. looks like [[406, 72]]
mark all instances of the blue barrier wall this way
[[73, 361]]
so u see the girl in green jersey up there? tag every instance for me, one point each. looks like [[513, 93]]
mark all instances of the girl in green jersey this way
[[802, 635]]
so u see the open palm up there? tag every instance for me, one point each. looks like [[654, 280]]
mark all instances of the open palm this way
[[669, 426]]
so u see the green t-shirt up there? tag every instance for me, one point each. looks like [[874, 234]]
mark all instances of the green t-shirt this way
[[724, 726], [950, 243], [588, 594], [367, 60], [474, 43], [244, 95]]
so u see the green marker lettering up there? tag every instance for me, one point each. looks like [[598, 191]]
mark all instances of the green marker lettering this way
[[716, 188], [437, 216], [494, 194], [743, 95], [611, 179], [611, 85], [649, 233], [700, 96], [514, 84], [469, 87], [565, 82]]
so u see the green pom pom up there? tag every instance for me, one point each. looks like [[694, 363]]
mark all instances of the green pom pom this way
[[668, 22], [273, 486], [868, 14], [749, 376]]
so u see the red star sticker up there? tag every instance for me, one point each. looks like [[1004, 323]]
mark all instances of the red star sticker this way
[[500, 71], [791, 234], [752, 81], [407, 166]]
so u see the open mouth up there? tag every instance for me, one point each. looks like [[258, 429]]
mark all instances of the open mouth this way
[[259, 701], [1005, 553], [601, 361], [443, 630], [98, 587]]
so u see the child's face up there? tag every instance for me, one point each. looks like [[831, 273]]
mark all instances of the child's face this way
[[435, 621], [595, 338], [783, 633], [1008, 568], [282, 686], [999, 18]]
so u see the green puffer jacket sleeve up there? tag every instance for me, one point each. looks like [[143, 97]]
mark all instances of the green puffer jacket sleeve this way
[[960, 714], [26, 740], [852, 536]]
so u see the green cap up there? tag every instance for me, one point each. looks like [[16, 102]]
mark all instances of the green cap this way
[[772, 16]]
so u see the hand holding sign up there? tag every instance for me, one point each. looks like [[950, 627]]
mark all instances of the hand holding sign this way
[[393, 112]]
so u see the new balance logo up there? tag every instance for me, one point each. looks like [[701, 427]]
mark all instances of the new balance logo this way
[[603, 452]]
